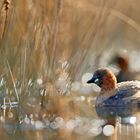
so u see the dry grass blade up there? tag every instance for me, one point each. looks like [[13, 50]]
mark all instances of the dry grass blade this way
[[16, 92], [126, 19], [4, 13]]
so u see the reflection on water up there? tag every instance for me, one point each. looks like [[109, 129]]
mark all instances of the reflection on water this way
[[109, 123], [124, 119]]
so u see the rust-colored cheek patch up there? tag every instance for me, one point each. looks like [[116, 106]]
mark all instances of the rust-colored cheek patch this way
[[109, 82]]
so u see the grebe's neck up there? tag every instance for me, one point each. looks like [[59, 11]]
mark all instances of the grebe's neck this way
[[109, 82]]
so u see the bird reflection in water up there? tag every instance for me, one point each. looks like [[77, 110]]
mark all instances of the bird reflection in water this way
[[125, 120]]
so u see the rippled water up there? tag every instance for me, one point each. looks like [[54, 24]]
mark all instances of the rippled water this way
[[110, 123]]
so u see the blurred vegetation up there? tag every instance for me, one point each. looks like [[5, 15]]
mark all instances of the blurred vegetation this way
[[48, 40], [44, 40]]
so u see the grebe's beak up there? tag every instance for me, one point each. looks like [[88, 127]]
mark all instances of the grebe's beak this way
[[90, 81], [94, 79]]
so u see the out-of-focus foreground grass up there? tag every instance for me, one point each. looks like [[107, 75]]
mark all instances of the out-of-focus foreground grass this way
[[45, 40]]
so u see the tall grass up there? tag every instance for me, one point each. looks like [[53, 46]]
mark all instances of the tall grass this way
[[46, 39]]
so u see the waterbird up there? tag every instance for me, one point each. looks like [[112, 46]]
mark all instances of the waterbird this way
[[125, 73], [113, 93]]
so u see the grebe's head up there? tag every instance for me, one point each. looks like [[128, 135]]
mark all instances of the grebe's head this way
[[104, 78]]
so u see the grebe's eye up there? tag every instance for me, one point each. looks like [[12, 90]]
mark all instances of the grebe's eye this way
[[96, 80]]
